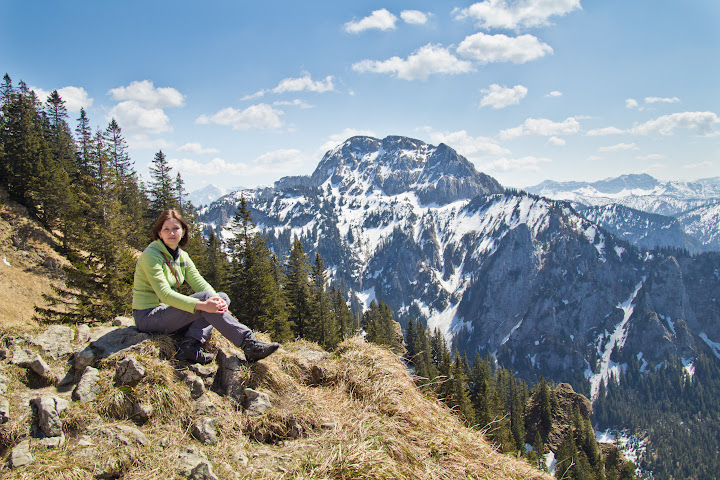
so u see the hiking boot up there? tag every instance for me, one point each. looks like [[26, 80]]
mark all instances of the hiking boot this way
[[191, 350], [256, 350]]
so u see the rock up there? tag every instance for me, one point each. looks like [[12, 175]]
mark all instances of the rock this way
[[120, 321], [27, 359], [48, 410], [135, 433], [84, 358], [52, 442], [88, 386], [196, 385], [204, 406], [232, 374], [205, 430], [143, 411], [20, 455], [129, 371], [256, 403], [3, 384], [206, 372], [111, 340], [83, 333], [4, 410], [194, 465], [56, 341]]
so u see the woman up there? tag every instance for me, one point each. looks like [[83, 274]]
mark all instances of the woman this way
[[159, 308]]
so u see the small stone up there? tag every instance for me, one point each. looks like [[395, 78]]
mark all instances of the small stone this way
[[20, 455], [129, 371], [256, 403], [88, 386]]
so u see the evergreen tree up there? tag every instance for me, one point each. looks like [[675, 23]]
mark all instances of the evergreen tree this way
[[162, 188], [216, 265], [297, 290], [256, 298], [323, 328], [343, 315]]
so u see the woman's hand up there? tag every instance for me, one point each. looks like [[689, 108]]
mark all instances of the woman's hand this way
[[211, 305]]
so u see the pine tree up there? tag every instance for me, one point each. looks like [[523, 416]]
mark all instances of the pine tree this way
[[256, 298], [343, 315], [297, 290], [216, 265], [162, 188], [322, 328]]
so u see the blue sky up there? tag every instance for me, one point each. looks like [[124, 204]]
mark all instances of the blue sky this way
[[240, 93]]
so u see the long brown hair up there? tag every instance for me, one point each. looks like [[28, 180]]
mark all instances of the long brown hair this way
[[167, 215]]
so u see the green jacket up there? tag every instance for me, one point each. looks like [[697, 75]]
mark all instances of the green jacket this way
[[155, 283]]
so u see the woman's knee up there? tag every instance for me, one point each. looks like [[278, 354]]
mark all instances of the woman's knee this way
[[224, 296]]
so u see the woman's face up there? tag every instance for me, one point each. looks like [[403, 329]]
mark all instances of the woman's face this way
[[171, 233]]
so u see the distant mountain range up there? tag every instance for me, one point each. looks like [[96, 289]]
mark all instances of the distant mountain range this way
[[645, 211], [208, 194]]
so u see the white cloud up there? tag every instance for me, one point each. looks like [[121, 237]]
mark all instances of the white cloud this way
[[662, 100], [554, 93], [428, 60], [75, 98], [465, 144], [527, 164], [277, 162], [652, 156], [556, 141], [631, 103], [140, 141], [338, 138], [702, 123], [542, 127], [305, 83], [144, 93], [698, 166], [197, 149], [260, 116], [598, 132], [135, 118], [415, 17], [500, 97], [378, 20], [484, 48], [512, 15], [292, 103], [619, 147]]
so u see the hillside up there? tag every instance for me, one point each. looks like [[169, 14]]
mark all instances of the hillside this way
[[353, 413]]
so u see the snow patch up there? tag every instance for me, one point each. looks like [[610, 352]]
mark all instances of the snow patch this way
[[714, 346]]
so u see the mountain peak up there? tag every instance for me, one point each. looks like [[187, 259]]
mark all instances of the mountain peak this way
[[397, 164]]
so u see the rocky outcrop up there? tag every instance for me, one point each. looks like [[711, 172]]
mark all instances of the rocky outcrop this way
[[127, 408]]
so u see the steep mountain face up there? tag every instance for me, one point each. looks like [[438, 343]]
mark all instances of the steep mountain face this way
[[528, 279], [647, 212]]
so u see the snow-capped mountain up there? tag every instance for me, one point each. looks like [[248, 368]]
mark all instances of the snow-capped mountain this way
[[526, 278], [208, 194], [646, 211]]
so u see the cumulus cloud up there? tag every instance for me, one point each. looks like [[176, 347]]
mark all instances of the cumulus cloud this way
[[631, 103], [484, 48], [516, 14], [428, 60], [500, 97], [305, 83], [619, 147], [75, 98], [661, 100], [701, 123], [466, 144], [415, 17], [145, 94], [377, 20], [275, 162], [556, 141], [261, 116], [542, 127], [554, 93], [598, 132], [337, 138], [526, 164], [651, 156], [135, 118], [197, 149]]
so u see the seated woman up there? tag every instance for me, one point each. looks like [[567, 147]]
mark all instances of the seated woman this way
[[159, 308]]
